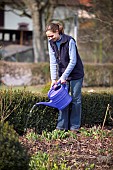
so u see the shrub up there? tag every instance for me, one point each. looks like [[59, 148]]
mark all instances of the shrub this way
[[45, 118], [12, 154], [94, 107], [19, 104]]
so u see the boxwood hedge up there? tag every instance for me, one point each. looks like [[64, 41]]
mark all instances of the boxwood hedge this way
[[15, 107]]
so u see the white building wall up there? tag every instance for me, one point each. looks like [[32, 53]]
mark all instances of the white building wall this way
[[67, 15]]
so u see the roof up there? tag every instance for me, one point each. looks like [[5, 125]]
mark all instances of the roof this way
[[72, 2], [66, 2]]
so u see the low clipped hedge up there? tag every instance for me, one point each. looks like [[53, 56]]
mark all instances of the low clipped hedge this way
[[17, 105], [15, 108], [94, 107], [96, 74]]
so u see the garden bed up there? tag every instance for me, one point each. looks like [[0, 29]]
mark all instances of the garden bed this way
[[90, 149]]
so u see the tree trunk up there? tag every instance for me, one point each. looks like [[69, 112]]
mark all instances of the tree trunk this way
[[38, 43]]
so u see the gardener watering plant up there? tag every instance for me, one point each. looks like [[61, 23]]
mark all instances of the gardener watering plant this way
[[65, 60]]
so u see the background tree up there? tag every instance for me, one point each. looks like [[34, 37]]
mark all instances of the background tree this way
[[39, 11], [97, 34], [103, 11]]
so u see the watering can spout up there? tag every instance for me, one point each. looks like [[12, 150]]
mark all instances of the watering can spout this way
[[50, 104]]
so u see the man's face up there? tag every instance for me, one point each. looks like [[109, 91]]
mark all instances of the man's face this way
[[53, 35]]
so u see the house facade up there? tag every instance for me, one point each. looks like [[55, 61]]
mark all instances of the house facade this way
[[13, 28], [18, 29]]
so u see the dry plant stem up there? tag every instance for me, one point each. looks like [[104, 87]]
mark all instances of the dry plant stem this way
[[5, 111], [105, 115], [110, 115]]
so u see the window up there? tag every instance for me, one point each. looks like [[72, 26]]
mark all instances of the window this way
[[6, 37]]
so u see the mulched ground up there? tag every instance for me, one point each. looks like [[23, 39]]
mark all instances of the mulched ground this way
[[80, 153]]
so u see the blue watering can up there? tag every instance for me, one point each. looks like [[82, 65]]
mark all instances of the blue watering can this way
[[59, 97]]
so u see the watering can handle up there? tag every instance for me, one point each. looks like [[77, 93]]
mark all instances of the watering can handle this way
[[60, 84], [57, 84]]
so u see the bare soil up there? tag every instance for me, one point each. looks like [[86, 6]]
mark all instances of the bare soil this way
[[85, 152]]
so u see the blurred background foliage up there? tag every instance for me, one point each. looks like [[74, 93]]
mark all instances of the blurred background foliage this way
[[94, 19]]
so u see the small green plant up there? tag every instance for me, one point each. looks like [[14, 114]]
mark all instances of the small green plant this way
[[43, 161], [90, 167], [58, 134], [95, 132], [38, 161], [32, 136]]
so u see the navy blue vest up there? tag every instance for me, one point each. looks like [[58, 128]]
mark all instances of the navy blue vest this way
[[62, 57]]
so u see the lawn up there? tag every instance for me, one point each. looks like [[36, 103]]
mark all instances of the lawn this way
[[34, 89], [38, 88]]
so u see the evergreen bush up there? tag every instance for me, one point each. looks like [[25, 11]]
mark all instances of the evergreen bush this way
[[12, 154]]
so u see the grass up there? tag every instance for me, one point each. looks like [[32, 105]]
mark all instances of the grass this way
[[38, 88], [34, 89], [97, 89]]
